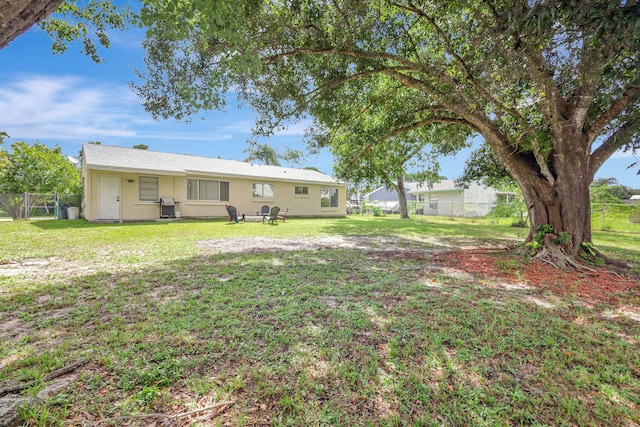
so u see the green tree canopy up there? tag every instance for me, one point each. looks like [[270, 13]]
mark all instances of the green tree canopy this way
[[65, 22], [608, 190], [38, 169], [362, 156], [552, 87], [266, 154]]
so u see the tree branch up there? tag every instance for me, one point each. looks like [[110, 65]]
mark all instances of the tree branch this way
[[618, 106], [611, 145], [412, 126], [469, 76]]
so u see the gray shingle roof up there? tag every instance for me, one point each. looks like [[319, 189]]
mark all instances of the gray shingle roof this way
[[104, 157]]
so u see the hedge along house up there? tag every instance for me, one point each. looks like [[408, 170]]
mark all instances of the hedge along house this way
[[125, 184]]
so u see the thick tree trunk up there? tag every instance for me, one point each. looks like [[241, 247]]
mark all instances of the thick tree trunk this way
[[564, 206], [17, 16], [402, 198], [556, 193], [559, 211]]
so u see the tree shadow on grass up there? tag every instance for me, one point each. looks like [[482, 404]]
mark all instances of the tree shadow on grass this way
[[455, 233], [306, 337], [81, 223]]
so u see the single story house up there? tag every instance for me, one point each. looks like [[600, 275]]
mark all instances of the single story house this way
[[443, 198], [387, 198], [635, 199], [126, 184]]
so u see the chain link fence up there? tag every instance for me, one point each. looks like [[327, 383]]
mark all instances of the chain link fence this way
[[615, 217], [32, 206], [604, 217]]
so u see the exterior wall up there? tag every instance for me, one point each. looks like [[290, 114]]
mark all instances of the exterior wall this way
[[240, 196], [480, 199], [477, 200], [443, 204]]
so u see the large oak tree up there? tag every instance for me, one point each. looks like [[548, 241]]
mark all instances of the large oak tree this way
[[552, 86]]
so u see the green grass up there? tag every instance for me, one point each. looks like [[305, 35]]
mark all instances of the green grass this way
[[305, 337]]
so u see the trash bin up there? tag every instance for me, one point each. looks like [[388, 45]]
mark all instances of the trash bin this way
[[61, 210], [73, 212]]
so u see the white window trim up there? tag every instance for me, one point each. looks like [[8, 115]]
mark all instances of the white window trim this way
[[207, 201], [140, 177], [330, 207]]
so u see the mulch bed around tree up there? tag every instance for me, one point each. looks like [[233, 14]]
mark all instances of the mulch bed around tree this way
[[602, 284]]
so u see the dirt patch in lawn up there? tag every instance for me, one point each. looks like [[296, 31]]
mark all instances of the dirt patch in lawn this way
[[479, 262], [264, 244], [601, 284]]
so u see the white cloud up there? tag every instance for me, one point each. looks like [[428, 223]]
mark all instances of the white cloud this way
[[35, 107], [39, 107]]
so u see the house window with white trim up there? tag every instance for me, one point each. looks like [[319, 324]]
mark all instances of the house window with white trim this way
[[329, 197], [207, 190], [148, 188], [262, 190], [301, 190]]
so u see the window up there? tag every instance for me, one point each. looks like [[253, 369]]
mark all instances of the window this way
[[329, 197], [264, 191], [302, 190], [207, 189], [148, 188], [433, 201]]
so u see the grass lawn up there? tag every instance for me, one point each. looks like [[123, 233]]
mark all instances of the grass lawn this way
[[314, 322]]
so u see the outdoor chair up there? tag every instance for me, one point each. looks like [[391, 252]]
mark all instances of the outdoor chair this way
[[273, 215], [282, 215], [232, 212], [264, 211]]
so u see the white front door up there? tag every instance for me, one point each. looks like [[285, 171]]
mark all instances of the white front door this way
[[109, 197]]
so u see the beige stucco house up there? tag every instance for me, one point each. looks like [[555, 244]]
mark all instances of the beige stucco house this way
[[125, 184]]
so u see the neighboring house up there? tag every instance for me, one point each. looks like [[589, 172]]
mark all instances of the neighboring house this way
[[387, 198], [635, 200], [443, 198], [124, 184]]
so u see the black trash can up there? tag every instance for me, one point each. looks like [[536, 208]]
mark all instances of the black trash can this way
[[61, 210]]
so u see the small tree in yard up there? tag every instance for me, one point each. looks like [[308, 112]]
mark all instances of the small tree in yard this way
[[553, 87], [35, 169], [360, 156]]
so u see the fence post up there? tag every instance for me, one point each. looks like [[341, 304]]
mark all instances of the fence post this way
[[26, 205]]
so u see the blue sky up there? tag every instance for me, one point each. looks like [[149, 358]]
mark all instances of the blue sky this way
[[68, 100]]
